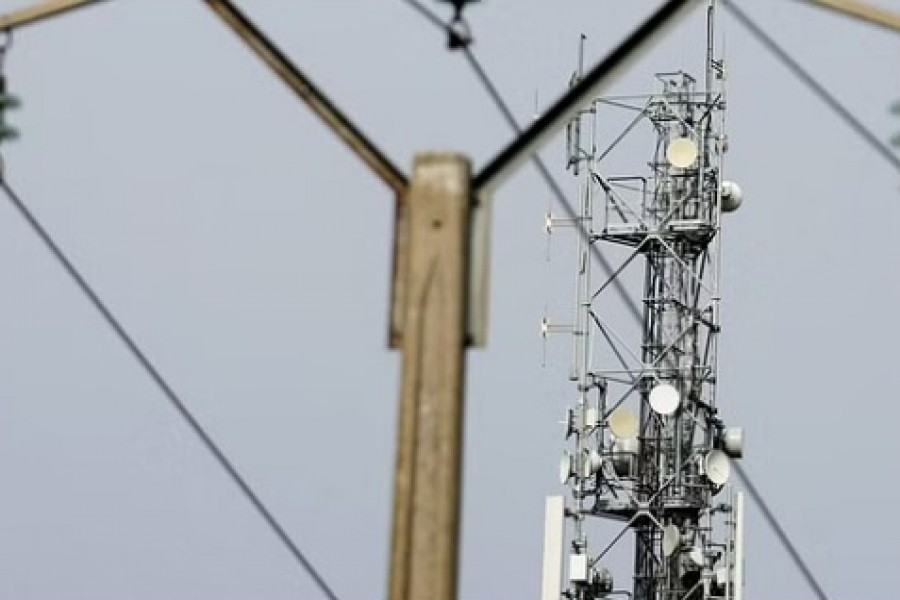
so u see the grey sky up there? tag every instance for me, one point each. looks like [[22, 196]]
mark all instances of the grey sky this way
[[248, 252]]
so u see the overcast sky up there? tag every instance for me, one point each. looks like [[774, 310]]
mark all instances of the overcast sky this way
[[248, 252]]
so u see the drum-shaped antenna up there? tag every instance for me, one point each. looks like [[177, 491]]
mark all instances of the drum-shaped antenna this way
[[732, 439], [732, 196]]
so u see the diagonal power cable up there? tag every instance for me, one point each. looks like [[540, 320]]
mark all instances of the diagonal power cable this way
[[542, 169], [817, 88], [167, 390], [780, 533], [769, 516]]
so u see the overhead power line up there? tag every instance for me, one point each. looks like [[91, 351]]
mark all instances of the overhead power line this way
[[817, 88], [167, 390], [779, 531], [632, 305]]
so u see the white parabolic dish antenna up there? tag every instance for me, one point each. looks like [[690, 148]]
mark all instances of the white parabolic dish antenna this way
[[717, 467], [565, 467], [682, 152], [623, 423], [696, 556], [671, 539], [664, 399], [592, 463]]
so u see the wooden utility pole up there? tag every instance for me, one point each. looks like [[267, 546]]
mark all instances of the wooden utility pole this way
[[424, 547]]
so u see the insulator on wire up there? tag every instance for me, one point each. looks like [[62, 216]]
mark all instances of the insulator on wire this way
[[7, 102], [459, 35]]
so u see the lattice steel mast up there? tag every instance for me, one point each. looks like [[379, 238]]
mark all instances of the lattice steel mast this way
[[648, 445]]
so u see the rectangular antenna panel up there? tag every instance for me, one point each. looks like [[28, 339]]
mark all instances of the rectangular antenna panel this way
[[554, 530]]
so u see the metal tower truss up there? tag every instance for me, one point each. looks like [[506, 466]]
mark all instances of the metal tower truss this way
[[648, 447]]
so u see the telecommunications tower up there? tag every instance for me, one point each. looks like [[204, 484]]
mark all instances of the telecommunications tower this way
[[647, 448]]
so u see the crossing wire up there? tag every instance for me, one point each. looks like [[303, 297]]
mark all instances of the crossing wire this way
[[508, 116], [817, 88], [780, 533], [174, 399]]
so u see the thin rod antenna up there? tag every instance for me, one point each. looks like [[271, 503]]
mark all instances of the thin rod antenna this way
[[581, 41]]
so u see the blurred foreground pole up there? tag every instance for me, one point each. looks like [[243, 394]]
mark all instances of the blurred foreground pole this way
[[425, 540]]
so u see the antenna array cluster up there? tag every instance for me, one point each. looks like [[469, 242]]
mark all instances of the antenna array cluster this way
[[647, 445]]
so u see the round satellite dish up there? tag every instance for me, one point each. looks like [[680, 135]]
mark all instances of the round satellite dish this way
[[696, 556], [682, 152], [671, 539], [591, 464], [664, 399], [623, 423], [717, 467], [732, 196], [565, 467]]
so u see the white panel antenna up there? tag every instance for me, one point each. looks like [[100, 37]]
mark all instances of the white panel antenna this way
[[554, 535]]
